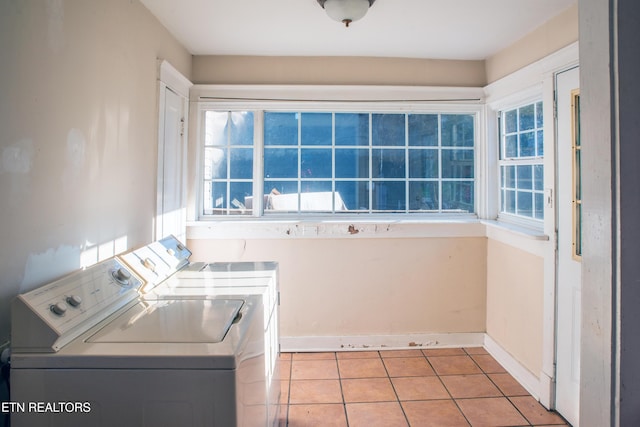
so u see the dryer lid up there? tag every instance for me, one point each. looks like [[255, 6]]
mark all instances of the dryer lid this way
[[172, 321]]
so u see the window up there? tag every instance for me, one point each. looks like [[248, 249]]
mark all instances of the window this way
[[338, 162], [228, 161], [521, 162], [576, 148]]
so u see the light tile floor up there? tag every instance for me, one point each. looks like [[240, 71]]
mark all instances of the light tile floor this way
[[396, 388]]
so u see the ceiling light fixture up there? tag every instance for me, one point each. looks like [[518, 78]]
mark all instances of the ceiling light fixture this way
[[346, 11]]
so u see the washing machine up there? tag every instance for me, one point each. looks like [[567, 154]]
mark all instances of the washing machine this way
[[169, 274], [89, 350]]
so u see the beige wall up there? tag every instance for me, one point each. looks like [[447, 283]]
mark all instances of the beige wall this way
[[558, 32], [337, 71], [78, 120], [555, 34], [369, 286], [515, 281]]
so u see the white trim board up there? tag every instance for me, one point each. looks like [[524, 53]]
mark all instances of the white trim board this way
[[535, 386], [380, 342], [517, 370]]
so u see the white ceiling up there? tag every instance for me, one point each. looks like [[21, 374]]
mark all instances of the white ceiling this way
[[437, 29]]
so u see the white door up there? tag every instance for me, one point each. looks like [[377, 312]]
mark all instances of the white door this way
[[569, 246], [171, 215]]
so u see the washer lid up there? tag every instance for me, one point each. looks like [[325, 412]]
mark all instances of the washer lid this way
[[172, 321]]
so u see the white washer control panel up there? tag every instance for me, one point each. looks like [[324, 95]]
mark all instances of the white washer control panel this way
[[157, 261], [52, 315]]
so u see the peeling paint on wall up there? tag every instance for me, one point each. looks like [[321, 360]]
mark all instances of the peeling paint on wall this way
[[76, 144], [18, 158], [55, 28], [49, 265]]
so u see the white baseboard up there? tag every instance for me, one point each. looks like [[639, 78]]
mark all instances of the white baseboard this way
[[537, 387], [380, 342], [527, 379]]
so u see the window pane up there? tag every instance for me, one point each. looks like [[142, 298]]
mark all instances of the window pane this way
[[315, 163], [281, 196], [352, 129], [388, 129], [217, 194], [539, 210], [389, 196], [241, 128], [423, 163], [423, 196], [311, 186], [280, 187], [457, 130], [511, 146], [527, 117], [280, 162], [457, 164], [281, 128], [510, 177], [525, 203], [239, 192], [354, 194], [510, 201], [241, 166], [423, 130], [388, 163], [215, 163], [316, 129], [524, 178], [540, 143], [539, 115], [215, 128], [457, 196], [511, 121], [538, 177], [317, 196], [527, 145], [352, 163]]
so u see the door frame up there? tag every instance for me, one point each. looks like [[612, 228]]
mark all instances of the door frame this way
[[557, 221], [169, 78]]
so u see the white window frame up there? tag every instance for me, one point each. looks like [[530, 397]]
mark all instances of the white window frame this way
[[531, 95], [519, 161], [335, 99]]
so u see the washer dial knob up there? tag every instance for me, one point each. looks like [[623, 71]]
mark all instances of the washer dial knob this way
[[122, 276], [74, 300], [148, 263], [59, 308]]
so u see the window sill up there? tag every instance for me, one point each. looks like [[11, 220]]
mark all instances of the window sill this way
[[516, 229], [332, 228], [530, 240]]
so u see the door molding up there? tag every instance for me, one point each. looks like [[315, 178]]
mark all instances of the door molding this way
[[169, 78]]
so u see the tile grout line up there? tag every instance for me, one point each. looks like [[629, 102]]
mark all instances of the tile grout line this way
[[289, 389], [344, 402], [394, 390], [448, 392], [500, 390]]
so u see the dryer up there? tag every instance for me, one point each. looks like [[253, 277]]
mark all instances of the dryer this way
[[169, 275], [89, 350]]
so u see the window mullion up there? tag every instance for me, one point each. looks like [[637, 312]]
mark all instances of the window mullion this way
[[258, 164], [406, 163], [299, 161], [439, 163]]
